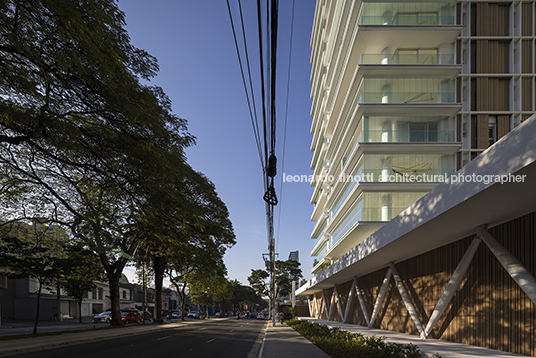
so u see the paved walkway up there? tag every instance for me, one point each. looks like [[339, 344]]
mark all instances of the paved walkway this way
[[282, 341], [429, 346]]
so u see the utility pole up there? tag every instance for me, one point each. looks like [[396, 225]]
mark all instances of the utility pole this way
[[272, 283]]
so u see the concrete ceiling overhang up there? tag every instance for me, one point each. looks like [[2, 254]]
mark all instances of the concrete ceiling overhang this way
[[450, 212]]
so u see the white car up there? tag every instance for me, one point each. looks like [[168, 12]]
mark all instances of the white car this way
[[105, 317]]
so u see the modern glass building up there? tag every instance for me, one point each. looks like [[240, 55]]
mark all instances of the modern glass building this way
[[406, 94]]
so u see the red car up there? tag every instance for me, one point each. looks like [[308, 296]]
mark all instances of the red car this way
[[131, 316]]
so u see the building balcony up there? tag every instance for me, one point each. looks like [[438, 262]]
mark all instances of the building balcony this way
[[319, 244], [402, 59], [407, 136], [420, 97], [415, 19], [418, 66]]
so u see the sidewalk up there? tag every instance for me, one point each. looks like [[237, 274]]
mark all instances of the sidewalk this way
[[429, 346], [282, 341]]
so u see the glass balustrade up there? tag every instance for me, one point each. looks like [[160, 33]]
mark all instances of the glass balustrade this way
[[400, 19], [422, 97], [407, 136], [401, 59]]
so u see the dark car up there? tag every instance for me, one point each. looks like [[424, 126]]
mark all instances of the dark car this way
[[130, 316], [252, 315]]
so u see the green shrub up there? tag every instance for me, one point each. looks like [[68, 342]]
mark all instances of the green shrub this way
[[343, 344]]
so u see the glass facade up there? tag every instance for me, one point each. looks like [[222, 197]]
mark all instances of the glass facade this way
[[374, 206], [406, 90], [406, 14]]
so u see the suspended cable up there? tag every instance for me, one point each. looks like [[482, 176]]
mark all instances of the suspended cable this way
[[286, 117], [256, 126], [256, 134]]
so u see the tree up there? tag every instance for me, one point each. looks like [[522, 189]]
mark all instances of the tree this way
[[260, 282], [79, 269], [194, 231], [82, 141], [193, 266], [285, 273], [33, 251]]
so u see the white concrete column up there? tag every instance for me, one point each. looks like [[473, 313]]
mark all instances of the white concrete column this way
[[362, 303], [387, 55], [350, 301], [379, 299], [511, 264], [332, 304], [386, 94], [407, 300], [387, 18], [451, 287]]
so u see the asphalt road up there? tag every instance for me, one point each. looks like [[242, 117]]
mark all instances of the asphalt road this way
[[212, 338]]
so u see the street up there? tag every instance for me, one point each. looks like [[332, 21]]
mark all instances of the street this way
[[211, 338]]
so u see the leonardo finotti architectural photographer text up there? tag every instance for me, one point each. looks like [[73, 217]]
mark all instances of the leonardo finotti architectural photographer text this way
[[406, 178]]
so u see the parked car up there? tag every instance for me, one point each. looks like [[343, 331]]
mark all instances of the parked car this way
[[175, 313], [252, 315], [105, 317], [194, 314], [219, 314], [130, 316]]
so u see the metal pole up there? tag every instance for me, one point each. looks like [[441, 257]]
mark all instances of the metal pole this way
[[272, 268], [293, 297]]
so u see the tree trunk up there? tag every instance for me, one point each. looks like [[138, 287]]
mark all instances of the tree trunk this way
[[38, 306], [113, 281], [80, 310], [159, 264]]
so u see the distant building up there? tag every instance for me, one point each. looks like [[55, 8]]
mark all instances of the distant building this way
[[294, 255]]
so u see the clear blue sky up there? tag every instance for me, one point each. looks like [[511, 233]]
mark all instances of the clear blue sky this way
[[199, 71]]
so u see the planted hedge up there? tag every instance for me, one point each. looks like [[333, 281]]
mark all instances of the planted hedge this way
[[342, 344]]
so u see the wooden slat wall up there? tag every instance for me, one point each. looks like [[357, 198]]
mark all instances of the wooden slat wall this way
[[503, 126], [526, 90], [526, 19], [492, 56], [482, 131], [526, 56], [492, 19], [488, 309]]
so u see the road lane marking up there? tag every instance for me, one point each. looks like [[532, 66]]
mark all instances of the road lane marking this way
[[213, 339], [159, 339]]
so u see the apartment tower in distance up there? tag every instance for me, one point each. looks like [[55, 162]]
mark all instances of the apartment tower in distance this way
[[404, 95]]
